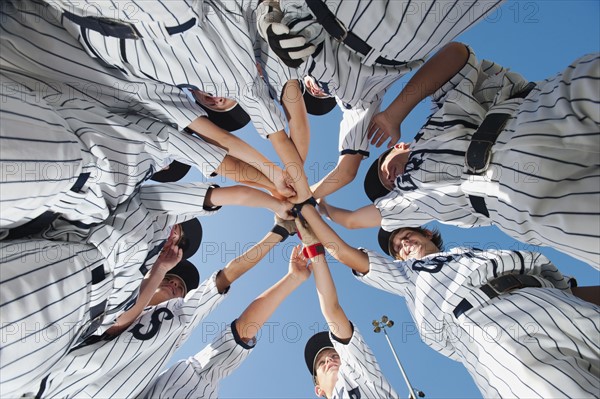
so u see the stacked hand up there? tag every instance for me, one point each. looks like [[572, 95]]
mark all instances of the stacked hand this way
[[288, 225]]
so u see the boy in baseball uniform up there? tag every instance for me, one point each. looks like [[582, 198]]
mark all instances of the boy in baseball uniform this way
[[458, 297]]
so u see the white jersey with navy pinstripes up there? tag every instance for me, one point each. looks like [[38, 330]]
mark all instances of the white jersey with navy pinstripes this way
[[131, 237], [32, 40], [199, 376], [359, 374], [531, 342], [215, 55], [542, 184], [117, 152], [403, 31], [123, 366]]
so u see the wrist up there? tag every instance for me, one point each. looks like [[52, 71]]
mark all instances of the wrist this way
[[297, 208], [313, 250]]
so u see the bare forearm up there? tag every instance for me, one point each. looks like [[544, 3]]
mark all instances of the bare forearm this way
[[344, 172], [235, 146], [328, 299], [337, 247], [261, 309], [430, 77], [240, 195], [239, 171], [294, 166], [297, 117], [365, 217], [240, 265]]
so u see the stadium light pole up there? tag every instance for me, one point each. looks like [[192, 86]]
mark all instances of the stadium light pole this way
[[380, 325]]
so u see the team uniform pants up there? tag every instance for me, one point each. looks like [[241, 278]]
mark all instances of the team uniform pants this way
[[531, 343], [49, 292]]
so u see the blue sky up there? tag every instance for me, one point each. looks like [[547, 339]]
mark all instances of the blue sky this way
[[535, 38]]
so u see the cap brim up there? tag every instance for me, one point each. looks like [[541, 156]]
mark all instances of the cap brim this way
[[315, 344], [383, 237], [372, 184], [176, 172], [188, 273], [231, 120], [318, 106], [192, 230]]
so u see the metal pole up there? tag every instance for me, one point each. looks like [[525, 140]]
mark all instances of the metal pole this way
[[410, 388]]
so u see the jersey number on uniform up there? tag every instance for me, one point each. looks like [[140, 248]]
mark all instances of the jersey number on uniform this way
[[155, 322]]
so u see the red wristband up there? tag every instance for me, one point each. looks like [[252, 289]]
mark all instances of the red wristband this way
[[313, 250]]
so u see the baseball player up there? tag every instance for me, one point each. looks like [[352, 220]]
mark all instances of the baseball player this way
[[105, 155], [35, 44], [538, 182], [123, 366], [361, 49], [211, 51], [125, 246], [340, 362], [458, 297], [199, 375]]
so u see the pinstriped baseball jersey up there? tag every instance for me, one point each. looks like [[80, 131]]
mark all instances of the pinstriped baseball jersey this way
[[404, 31], [132, 236], [47, 293], [151, 18], [359, 375], [531, 342], [118, 152], [32, 40], [126, 245], [542, 184], [199, 376], [125, 365], [216, 55]]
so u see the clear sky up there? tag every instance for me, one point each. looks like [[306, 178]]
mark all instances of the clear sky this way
[[537, 39]]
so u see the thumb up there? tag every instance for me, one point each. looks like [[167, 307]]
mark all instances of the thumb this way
[[279, 29]]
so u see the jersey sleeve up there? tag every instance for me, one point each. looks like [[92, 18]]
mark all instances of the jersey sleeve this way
[[353, 127], [359, 366], [397, 212], [266, 116], [178, 199], [198, 304], [200, 375], [387, 275]]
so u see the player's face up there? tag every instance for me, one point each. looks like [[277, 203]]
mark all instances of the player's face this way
[[327, 365], [393, 165], [410, 244], [171, 287], [314, 88], [219, 104]]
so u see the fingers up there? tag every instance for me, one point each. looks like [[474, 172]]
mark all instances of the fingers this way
[[304, 52], [279, 28], [382, 138]]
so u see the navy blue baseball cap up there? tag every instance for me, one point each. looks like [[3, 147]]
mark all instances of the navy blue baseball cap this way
[[175, 172], [313, 347], [187, 272], [192, 237]]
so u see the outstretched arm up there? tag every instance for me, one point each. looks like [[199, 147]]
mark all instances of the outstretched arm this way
[[240, 265], [241, 150], [294, 166], [246, 196], [328, 299], [348, 255], [169, 257], [261, 309], [344, 172], [430, 77], [297, 117], [362, 218]]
